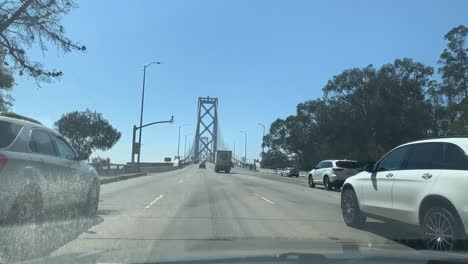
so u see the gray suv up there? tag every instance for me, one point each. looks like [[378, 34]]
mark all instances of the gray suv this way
[[40, 172]]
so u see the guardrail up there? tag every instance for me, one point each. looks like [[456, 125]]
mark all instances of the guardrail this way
[[278, 171], [113, 169]]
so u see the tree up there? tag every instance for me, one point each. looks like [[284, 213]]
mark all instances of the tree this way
[[25, 23], [275, 159], [454, 87], [364, 113], [6, 84], [100, 162], [87, 131]]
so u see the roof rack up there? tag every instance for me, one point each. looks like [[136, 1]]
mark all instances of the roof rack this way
[[16, 116]]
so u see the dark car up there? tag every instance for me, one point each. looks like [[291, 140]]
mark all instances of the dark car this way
[[202, 165], [289, 172]]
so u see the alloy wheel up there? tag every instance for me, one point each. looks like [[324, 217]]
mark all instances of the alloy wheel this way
[[348, 207], [439, 231]]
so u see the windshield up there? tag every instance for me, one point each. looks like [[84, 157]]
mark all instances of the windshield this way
[[348, 164], [150, 131]]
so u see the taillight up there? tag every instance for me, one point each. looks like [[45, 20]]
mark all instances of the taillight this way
[[337, 169], [3, 162]]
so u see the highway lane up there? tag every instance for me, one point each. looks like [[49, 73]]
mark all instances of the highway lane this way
[[193, 210], [197, 211]]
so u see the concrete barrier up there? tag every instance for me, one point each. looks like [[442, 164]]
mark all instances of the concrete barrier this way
[[108, 178], [278, 171], [158, 169]]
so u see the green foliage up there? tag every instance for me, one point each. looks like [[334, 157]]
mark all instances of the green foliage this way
[[101, 160], [453, 91], [6, 84], [364, 113], [87, 131], [275, 159], [29, 24]]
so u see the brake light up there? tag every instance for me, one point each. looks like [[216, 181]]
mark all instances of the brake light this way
[[337, 169], [3, 162]]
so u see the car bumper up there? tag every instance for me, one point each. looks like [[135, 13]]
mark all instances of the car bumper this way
[[337, 181]]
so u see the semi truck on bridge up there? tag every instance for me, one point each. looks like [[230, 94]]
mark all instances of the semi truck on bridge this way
[[223, 161]]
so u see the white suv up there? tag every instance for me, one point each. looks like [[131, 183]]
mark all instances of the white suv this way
[[333, 173], [422, 183], [40, 172]]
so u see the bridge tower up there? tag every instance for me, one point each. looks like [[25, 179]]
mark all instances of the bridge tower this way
[[206, 135]]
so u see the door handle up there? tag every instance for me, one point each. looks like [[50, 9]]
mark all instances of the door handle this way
[[389, 175], [426, 176]]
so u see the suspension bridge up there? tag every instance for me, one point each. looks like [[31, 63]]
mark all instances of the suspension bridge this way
[[208, 137]]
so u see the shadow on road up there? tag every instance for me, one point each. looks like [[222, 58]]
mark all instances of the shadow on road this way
[[325, 190], [20, 242], [398, 233], [107, 212]]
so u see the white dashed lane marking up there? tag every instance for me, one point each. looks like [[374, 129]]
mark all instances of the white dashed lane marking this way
[[265, 199], [154, 201]]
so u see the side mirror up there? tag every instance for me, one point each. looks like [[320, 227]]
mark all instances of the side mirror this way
[[369, 168], [82, 156], [316, 168]]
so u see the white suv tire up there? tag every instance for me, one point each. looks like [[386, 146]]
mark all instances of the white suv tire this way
[[351, 212]]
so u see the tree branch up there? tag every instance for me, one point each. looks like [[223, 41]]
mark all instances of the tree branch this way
[[15, 16]]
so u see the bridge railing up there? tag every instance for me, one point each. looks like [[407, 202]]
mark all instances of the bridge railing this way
[[112, 169], [109, 169]]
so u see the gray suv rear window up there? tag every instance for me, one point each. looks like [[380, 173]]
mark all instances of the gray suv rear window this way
[[8, 133], [41, 143]]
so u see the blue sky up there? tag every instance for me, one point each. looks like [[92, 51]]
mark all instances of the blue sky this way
[[260, 58]]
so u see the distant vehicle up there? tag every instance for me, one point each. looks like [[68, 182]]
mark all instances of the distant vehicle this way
[[289, 172], [421, 183], [202, 165], [333, 173], [223, 161], [40, 171]]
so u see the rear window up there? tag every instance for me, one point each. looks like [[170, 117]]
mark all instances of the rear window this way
[[8, 133], [348, 164]]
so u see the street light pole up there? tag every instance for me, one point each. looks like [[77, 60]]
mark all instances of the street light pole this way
[[263, 137], [137, 147], [185, 145], [142, 103], [245, 147], [178, 141]]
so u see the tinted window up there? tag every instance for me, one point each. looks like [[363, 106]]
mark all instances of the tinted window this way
[[393, 161], [8, 133], [327, 164], [455, 158], [425, 156], [65, 151], [348, 164], [41, 143], [319, 165]]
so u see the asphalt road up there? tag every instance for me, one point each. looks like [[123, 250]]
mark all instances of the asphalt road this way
[[197, 211]]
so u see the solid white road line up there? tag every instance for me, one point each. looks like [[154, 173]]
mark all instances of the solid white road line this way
[[265, 199], [181, 181], [155, 200]]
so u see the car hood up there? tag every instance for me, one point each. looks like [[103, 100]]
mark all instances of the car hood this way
[[231, 256]]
